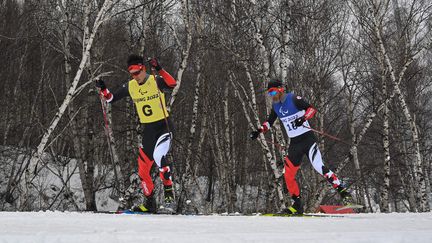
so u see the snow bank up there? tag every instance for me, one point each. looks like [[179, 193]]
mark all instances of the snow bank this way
[[50, 227]]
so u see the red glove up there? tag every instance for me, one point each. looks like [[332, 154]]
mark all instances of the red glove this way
[[107, 94], [103, 90], [154, 63]]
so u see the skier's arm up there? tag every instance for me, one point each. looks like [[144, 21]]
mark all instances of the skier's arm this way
[[301, 104], [120, 93], [162, 83], [110, 97], [270, 120], [265, 126], [165, 80], [168, 81]]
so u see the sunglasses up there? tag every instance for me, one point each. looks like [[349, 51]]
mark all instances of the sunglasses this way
[[274, 91], [136, 73]]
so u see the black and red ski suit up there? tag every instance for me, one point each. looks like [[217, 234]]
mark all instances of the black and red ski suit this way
[[303, 141]]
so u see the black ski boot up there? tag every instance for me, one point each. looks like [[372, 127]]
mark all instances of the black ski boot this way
[[169, 205], [345, 195], [148, 207], [296, 208], [169, 194]]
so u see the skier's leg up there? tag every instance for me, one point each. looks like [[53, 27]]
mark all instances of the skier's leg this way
[[315, 158], [289, 175], [165, 175], [291, 166], [292, 186], [144, 167], [160, 155]]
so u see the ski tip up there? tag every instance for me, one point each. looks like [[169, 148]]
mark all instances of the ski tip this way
[[350, 206]]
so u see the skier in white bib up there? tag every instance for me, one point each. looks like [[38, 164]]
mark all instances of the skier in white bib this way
[[294, 112]]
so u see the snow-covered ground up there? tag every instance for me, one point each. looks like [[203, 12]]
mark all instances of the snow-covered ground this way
[[59, 227]]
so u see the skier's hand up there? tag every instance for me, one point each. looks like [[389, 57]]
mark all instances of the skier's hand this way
[[100, 84], [103, 90], [254, 135], [299, 121], [154, 63]]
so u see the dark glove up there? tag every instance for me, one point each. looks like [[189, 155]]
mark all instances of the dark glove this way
[[100, 84], [299, 121], [154, 63], [254, 135]]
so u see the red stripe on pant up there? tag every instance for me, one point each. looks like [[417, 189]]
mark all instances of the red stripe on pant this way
[[165, 175], [290, 173], [144, 167]]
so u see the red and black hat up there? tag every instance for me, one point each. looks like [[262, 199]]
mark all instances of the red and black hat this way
[[135, 62], [274, 83], [274, 87]]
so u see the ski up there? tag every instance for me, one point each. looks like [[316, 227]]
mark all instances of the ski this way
[[306, 215], [120, 212], [350, 206], [127, 211]]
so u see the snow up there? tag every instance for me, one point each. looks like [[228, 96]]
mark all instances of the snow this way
[[63, 227]]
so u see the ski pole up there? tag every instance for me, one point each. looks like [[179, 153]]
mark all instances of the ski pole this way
[[159, 94], [327, 135], [161, 102], [108, 132], [280, 147]]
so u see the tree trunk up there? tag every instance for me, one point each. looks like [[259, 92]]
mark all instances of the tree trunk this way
[[384, 202], [185, 51], [10, 118]]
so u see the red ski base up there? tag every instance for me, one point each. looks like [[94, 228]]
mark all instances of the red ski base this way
[[332, 209]]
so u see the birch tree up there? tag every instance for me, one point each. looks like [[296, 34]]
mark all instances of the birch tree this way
[[185, 46]]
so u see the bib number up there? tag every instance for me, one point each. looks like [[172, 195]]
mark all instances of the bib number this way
[[291, 126], [147, 110]]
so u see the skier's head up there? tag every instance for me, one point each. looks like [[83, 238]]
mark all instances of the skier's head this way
[[136, 67], [275, 87]]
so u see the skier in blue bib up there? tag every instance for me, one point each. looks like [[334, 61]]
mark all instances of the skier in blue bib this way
[[294, 112]]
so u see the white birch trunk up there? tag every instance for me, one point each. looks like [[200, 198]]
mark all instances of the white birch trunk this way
[[189, 174], [284, 53], [185, 50], [230, 163], [193, 123], [384, 202], [192, 130], [411, 186], [387, 163]]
